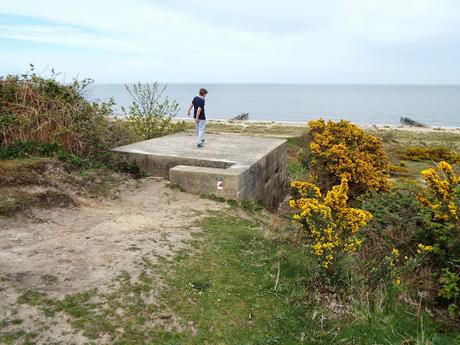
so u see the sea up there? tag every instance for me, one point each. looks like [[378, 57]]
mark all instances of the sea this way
[[433, 105]]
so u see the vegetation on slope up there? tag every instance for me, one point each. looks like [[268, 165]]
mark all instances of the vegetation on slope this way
[[372, 258], [48, 125]]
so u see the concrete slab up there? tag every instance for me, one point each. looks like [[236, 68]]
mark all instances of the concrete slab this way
[[230, 166]]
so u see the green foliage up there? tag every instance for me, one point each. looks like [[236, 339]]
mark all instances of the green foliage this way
[[396, 216], [150, 115], [297, 170], [40, 116], [404, 242], [240, 288], [42, 110], [449, 283], [104, 160]]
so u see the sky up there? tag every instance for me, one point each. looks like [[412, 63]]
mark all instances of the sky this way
[[238, 41]]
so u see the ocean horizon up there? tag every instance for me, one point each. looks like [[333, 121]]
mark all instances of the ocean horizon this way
[[364, 104]]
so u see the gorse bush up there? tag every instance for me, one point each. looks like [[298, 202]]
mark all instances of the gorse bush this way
[[437, 154], [404, 235], [396, 217], [151, 115], [342, 147], [331, 227], [441, 194], [42, 110], [441, 235], [414, 237], [389, 253]]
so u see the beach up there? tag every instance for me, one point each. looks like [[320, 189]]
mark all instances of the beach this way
[[283, 128]]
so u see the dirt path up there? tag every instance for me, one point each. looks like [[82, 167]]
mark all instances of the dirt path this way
[[67, 250]]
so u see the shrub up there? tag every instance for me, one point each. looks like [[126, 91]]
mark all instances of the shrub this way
[[342, 147], [414, 237], [437, 154], [441, 194], [42, 110], [389, 249], [396, 216], [441, 234], [331, 227], [150, 115]]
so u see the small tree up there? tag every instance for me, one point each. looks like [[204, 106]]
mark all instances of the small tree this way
[[150, 114]]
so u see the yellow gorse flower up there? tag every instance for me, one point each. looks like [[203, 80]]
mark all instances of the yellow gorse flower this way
[[422, 248], [330, 225], [440, 192], [342, 147]]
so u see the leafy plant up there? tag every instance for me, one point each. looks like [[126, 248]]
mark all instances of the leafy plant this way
[[396, 216], [151, 115], [449, 283]]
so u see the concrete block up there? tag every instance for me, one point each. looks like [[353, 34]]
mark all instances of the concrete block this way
[[229, 166]]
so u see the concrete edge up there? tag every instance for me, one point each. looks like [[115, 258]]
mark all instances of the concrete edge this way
[[223, 183]]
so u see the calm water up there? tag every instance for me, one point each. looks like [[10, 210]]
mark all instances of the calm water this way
[[436, 105]]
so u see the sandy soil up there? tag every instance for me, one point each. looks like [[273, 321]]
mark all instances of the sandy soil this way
[[67, 250]]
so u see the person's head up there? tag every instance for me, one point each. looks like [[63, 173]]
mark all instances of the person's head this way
[[203, 92]]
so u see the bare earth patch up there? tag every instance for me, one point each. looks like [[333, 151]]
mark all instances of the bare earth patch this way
[[60, 251]]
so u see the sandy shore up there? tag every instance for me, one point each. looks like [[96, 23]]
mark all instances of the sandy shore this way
[[297, 125]]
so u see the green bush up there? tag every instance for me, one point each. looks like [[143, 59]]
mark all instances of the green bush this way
[[396, 214], [406, 243], [36, 109], [151, 115], [43, 117]]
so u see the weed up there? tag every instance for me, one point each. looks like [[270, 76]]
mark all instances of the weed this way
[[49, 279]]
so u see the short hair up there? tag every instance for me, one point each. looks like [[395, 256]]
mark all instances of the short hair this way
[[203, 92]]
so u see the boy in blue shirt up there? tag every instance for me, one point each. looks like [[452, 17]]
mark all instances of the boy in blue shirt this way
[[199, 116]]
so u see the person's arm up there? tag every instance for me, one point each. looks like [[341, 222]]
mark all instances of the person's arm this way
[[190, 110], [198, 112]]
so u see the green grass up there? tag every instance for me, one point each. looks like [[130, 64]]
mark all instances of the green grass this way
[[239, 286], [296, 171], [396, 141], [425, 138], [252, 128], [228, 290]]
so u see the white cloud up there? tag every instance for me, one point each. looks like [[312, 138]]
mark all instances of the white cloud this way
[[60, 35], [289, 41]]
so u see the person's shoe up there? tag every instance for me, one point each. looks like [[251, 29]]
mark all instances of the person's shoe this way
[[200, 146]]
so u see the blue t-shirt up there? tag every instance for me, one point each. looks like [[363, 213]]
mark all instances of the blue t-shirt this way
[[198, 102]]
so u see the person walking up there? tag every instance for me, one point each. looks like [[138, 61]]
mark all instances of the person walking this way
[[199, 116]]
